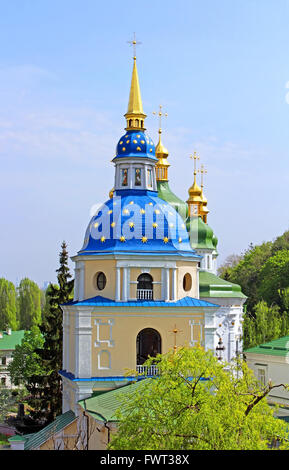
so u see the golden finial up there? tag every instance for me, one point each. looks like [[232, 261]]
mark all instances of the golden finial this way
[[175, 331], [134, 43], [203, 209], [195, 191], [161, 151], [135, 116], [203, 172]]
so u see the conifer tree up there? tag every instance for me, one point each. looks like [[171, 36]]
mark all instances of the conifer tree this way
[[47, 400]]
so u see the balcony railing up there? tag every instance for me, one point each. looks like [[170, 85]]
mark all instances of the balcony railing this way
[[144, 294], [145, 370]]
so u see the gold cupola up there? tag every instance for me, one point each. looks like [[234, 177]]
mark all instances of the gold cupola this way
[[135, 116], [162, 164], [195, 200]]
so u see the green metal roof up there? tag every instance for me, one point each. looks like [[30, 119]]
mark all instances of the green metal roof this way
[[277, 347], [103, 406], [213, 286], [165, 193], [201, 235], [33, 441], [11, 341]]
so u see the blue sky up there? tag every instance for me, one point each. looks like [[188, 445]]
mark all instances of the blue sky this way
[[219, 69]]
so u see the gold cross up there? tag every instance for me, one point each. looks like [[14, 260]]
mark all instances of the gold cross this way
[[134, 43], [195, 157], [175, 331], [203, 172], [160, 114]]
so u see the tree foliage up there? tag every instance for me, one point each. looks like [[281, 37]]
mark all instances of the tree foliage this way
[[263, 274], [274, 276], [265, 324], [29, 299], [26, 361], [8, 314], [196, 404]]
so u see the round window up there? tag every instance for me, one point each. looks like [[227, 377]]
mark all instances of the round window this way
[[100, 281], [187, 282]]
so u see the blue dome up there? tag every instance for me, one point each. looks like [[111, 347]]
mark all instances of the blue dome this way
[[137, 224], [135, 144]]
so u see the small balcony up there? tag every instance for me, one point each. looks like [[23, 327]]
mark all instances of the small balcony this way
[[144, 294], [147, 371]]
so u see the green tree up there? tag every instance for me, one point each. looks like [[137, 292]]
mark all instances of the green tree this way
[[29, 300], [281, 243], [274, 276], [196, 404], [26, 361], [265, 324], [46, 388], [247, 272], [8, 316]]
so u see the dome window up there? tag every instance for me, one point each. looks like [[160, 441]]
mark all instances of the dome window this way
[[187, 282], [137, 178], [124, 176], [150, 179], [100, 280]]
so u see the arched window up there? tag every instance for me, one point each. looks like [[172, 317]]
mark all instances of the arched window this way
[[145, 287], [148, 343]]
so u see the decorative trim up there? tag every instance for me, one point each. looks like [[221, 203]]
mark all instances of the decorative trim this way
[[100, 353], [98, 322]]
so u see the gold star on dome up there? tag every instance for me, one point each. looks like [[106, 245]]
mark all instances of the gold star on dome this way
[[102, 239], [166, 240], [131, 202], [126, 211], [122, 238], [180, 240], [96, 224], [126, 136], [121, 142], [112, 224], [138, 136], [110, 212], [155, 225], [151, 150], [135, 141], [131, 224], [123, 149], [157, 211], [138, 149], [144, 239], [142, 142], [127, 141], [142, 211], [150, 203]]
